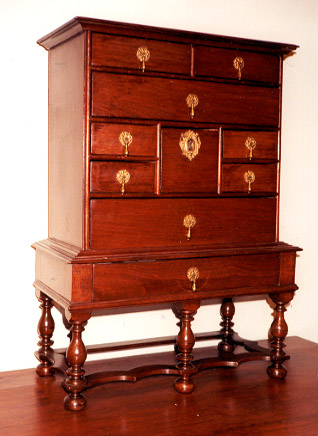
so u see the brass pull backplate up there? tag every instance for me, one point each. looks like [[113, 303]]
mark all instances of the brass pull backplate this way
[[192, 101], [125, 138], [189, 222], [143, 55], [123, 177], [190, 144], [250, 143], [193, 275], [238, 64], [249, 178]]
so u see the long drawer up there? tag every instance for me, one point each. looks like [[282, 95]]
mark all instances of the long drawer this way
[[130, 96], [180, 223], [173, 280]]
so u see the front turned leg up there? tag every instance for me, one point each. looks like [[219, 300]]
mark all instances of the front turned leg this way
[[279, 330], [45, 332], [185, 342], [76, 354]]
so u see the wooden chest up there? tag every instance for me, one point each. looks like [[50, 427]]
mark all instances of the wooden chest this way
[[164, 162]]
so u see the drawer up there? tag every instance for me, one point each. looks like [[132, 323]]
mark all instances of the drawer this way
[[189, 161], [216, 62], [154, 98], [121, 52], [157, 223], [123, 140], [250, 145], [169, 279], [122, 178], [262, 178]]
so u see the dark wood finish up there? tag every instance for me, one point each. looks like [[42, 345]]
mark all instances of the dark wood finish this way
[[234, 145], [140, 247], [153, 98], [120, 52], [215, 62]]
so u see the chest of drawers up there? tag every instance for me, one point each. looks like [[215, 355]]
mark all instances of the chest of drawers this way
[[164, 162]]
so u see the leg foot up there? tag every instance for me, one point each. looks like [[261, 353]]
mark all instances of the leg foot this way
[[45, 332], [185, 342], [279, 330], [227, 312]]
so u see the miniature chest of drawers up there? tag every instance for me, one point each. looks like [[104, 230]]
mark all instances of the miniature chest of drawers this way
[[164, 162]]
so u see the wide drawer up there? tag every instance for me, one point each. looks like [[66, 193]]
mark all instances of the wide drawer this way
[[124, 140], [236, 64], [121, 52], [249, 178], [156, 98], [174, 279], [150, 223], [189, 161], [122, 178], [238, 144]]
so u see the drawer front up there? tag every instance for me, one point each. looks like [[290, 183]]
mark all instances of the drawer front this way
[[189, 161], [235, 178], [169, 279], [152, 223], [249, 145], [123, 140], [121, 52], [216, 62], [108, 177], [155, 98]]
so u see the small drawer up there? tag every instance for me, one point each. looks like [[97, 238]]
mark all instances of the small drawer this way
[[121, 52], [122, 178], [124, 140], [250, 145], [236, 64], [185, 278], [181, 223], [189, 161], [249, 178]]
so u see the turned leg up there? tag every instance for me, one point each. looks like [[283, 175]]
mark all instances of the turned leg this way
[[227, 312], [185, 342], [279, 330], [76, 355], [45, 332]]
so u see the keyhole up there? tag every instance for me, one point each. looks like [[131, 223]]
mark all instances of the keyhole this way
[[190, 144]]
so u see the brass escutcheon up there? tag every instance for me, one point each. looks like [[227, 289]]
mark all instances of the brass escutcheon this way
[[125, 138], [192, 101], [143, 55], [190, 144], [189, 222], [238, 64], [249, 178], [123, 177], [250, 143], [193, 275]]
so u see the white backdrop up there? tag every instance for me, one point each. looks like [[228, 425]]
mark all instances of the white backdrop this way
[[23, 118]]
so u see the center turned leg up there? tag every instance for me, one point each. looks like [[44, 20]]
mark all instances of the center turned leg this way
[[279, 330], [185, 342], [227, 312], [76, 354]]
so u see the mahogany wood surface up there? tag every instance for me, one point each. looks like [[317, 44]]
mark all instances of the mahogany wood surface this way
[[237, 401]]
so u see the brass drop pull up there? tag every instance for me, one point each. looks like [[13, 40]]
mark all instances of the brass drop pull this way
[[123, 177], [189, 222], [238, 64], [143, 55], [190, 144], [192, 101], [249, 178], [125, 139], [250, 143], [193, 275]]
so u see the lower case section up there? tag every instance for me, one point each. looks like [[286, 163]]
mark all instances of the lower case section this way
[[231, 350]]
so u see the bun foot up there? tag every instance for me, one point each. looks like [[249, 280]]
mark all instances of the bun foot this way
[[184, 386], [75, 403], [43, 370], [277, 371]]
